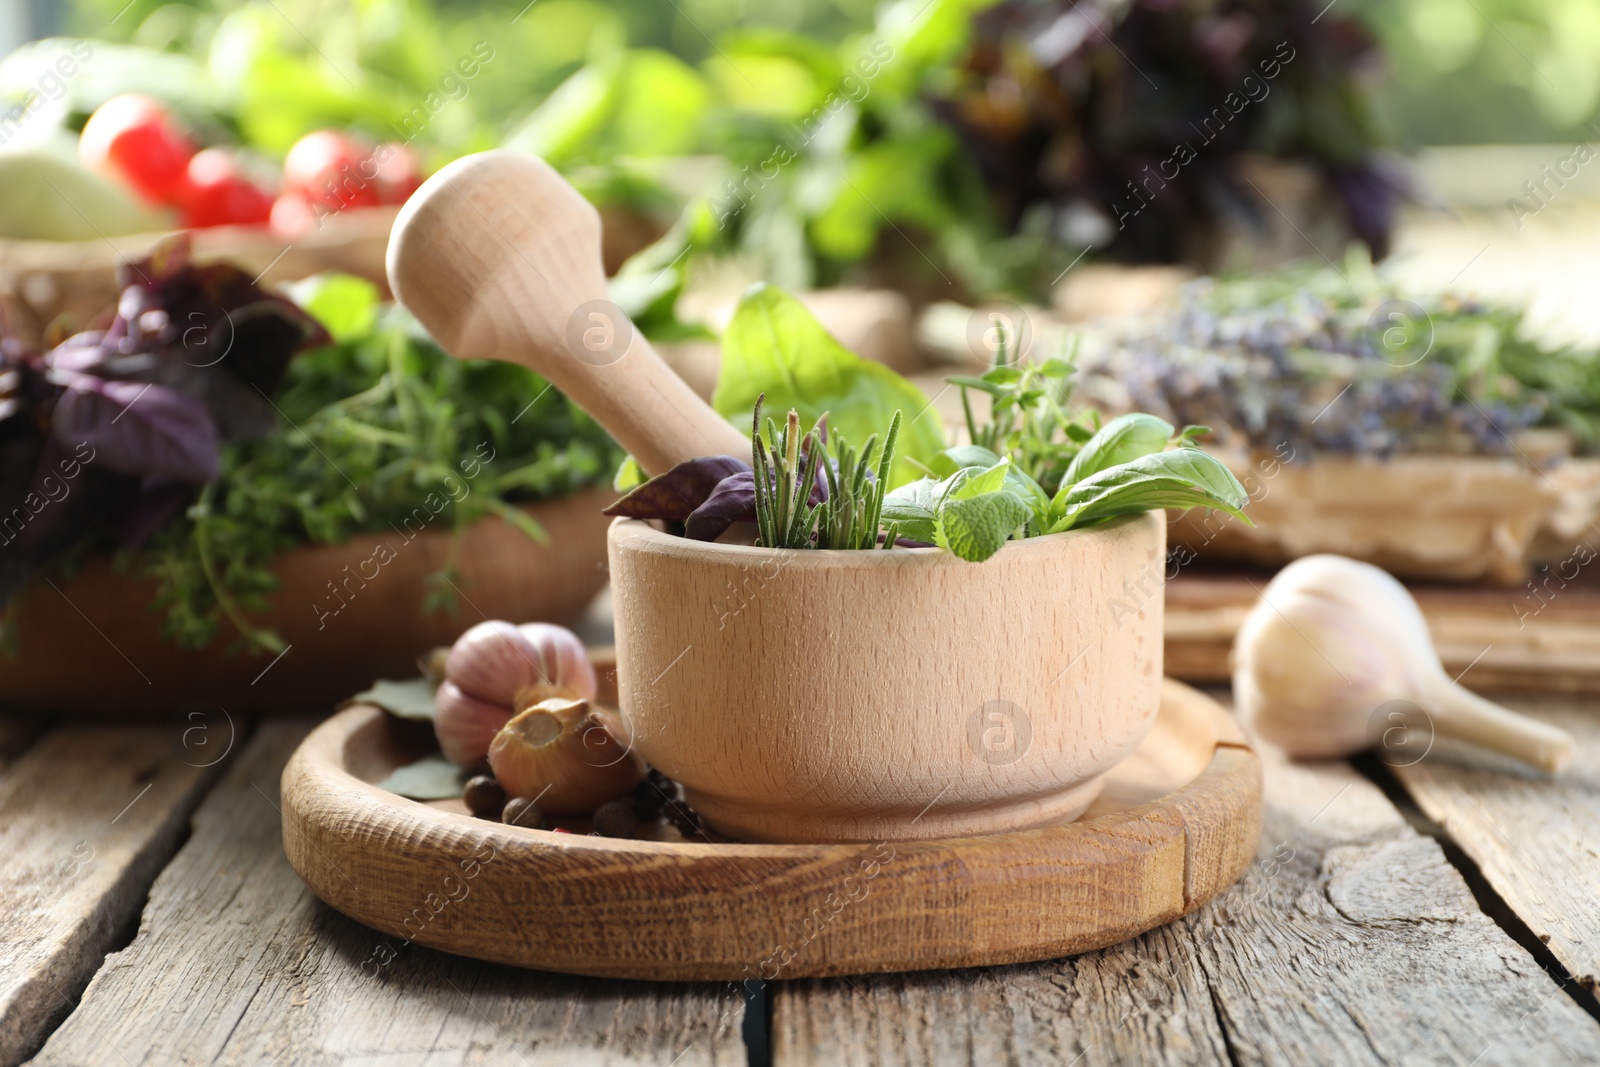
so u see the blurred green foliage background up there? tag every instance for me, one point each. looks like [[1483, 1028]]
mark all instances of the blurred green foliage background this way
[[794, 137], [1457, 71]]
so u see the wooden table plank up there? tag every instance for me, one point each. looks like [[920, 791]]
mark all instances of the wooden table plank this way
[[1510, 637], [1351, 940], [1535, 838], [88, 817], [237, 963]]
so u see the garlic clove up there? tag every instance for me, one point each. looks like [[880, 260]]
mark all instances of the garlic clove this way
[[564, 755], [513, 666], [465, 725], [1332, 642]]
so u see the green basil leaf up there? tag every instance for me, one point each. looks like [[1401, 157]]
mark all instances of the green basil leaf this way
[[1124, 438], [1182, 478], [775, 346], [975, 528]]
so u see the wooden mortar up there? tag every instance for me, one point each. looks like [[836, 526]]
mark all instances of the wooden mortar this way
[[857, 696], [799, 695]]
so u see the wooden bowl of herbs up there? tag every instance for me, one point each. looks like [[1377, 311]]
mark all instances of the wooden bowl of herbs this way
[[232, 498], [953, 640]]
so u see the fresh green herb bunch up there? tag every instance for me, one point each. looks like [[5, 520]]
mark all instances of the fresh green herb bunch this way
[[1028, 413], [1034, 469], [380, 432], [787, 469]]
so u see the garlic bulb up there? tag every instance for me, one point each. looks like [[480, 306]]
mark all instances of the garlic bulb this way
[[565, 756], [495, 670], [1332, 641]]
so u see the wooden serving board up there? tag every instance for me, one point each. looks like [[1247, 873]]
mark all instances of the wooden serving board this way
[[1178, 822], [1543, 635]]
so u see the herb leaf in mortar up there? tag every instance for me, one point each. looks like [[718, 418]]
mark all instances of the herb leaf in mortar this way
[[1182, 478], [1124, 468], [1122, 440], [775, 347], [675, 495]]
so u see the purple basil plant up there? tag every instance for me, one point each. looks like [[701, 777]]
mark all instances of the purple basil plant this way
[[108, 434]]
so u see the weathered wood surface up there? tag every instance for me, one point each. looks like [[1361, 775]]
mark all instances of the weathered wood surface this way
[[1534, 838], [1351, 940], [88, 816], [236, 962]]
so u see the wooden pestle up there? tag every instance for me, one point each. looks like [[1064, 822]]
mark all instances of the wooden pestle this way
[[500, 259]]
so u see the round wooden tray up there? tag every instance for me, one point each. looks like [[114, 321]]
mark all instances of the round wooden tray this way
[[95, 644], [1177, 823]]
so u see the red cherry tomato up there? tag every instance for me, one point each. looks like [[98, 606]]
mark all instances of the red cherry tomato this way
[[293, 218], [333, 169], [134, 139], [399, 174], [216, 194]]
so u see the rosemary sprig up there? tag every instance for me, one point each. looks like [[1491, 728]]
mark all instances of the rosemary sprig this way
[[787, 467]]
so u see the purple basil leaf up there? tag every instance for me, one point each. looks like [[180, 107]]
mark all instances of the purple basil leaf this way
[[137, 428], [158, 501], [733, 500], [52, 499], [205, 330], [675, 495]]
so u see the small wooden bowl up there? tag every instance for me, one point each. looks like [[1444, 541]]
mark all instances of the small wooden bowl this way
[[94, 644], [1177, 823], [856, 696]]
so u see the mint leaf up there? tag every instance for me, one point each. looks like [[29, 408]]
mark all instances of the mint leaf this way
[[913, 506], [976, 481], [975, 528], [1123, 439]]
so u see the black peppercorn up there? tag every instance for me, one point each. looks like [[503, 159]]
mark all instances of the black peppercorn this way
[[649, 798], [484, 797], [520, 811], [616, 818], [685, 818]]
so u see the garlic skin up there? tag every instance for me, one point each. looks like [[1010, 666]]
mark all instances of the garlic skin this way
[[1331, 641], [496, 669], [565, 756], [465, 725]]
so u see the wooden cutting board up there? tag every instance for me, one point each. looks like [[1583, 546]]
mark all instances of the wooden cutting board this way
[[1178, 822], [1542, 635]]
